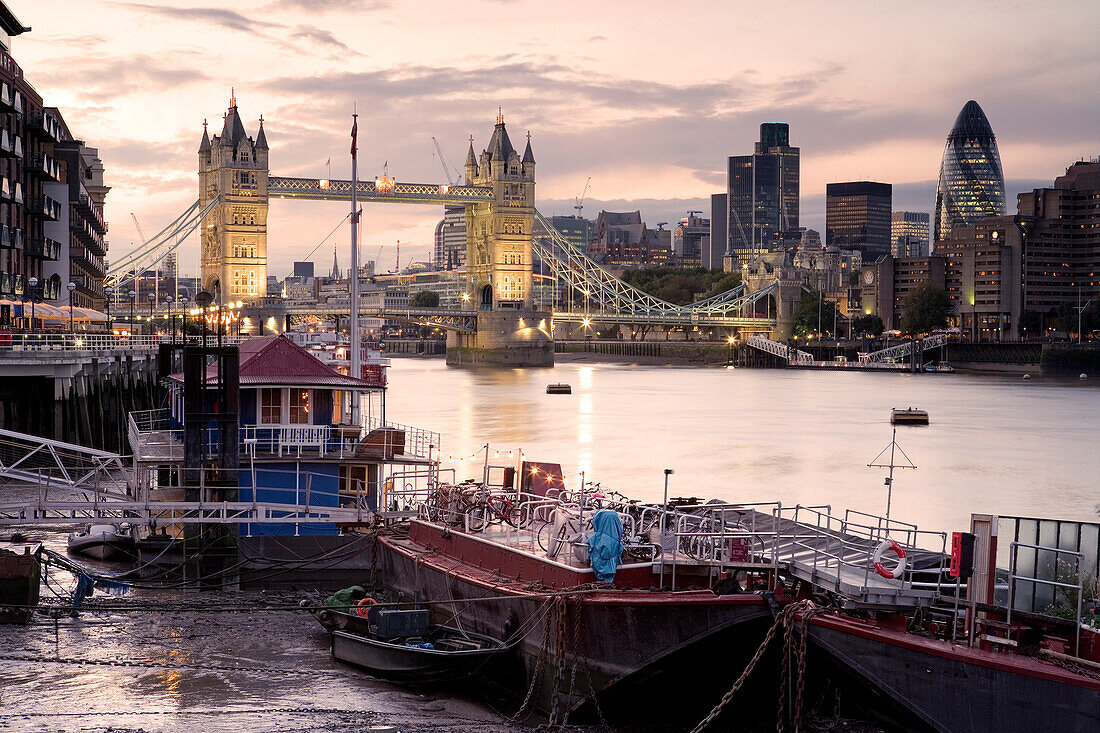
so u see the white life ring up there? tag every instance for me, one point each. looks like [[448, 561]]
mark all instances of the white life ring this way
[[898, 550]]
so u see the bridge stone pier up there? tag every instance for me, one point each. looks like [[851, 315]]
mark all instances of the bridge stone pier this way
[[787, 295]]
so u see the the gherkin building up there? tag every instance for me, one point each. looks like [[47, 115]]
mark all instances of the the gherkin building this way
[[972, 185]]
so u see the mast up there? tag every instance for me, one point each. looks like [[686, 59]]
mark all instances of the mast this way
[[353, 275]]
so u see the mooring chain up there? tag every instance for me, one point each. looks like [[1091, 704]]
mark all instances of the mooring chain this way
[[575, 654], [559, 659], [780, 621], [163, 665], [540, 662], [805, 620]]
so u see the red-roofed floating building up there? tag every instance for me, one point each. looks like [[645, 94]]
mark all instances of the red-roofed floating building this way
[[297, 444]]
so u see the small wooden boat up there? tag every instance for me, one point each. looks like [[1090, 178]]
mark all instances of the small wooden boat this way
[[908, 416], [401, 646], [102, 541], [559, 388]]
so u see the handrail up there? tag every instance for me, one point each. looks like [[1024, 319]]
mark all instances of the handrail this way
[[1014, 548]]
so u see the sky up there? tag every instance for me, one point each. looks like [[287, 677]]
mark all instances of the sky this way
[[646, 98]]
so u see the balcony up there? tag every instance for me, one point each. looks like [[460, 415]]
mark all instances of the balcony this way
[[86, 207], [44, 207], [7, 149], [17, 102], [43, 248], [17, 194], [41, 124], [93, 263], [86, 234], [16, 238], [17, 147], [7, 98], [43, 166]]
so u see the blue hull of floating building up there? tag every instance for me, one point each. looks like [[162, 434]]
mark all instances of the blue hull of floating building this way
[[315, 484]]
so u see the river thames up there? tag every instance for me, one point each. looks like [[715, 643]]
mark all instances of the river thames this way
[[996, 444]]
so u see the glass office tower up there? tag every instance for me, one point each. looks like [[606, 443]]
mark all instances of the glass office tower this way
[[972, 184]]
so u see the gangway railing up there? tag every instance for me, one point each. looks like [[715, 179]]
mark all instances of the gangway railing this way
[[905, 349], [783, 351]]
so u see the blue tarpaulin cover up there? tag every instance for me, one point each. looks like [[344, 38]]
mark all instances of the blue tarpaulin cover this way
[[605, 546]]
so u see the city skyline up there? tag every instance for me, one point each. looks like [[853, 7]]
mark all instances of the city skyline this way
[[653, 132]]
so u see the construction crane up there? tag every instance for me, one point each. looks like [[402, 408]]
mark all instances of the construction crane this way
[[443, 161], [141, 235], [397, 265], [579, 202]]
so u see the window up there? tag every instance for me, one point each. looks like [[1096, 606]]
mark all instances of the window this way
[[299, 407], [271, 406]]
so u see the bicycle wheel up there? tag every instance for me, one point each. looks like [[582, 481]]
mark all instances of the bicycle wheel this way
[[477, 517]]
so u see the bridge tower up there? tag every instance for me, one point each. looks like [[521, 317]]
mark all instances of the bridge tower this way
[[499, 260], [234, 234]]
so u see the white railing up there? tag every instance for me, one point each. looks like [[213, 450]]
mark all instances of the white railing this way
[[151, 435], [86, 342]]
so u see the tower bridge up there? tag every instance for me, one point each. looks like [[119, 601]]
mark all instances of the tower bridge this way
[[503, 249]]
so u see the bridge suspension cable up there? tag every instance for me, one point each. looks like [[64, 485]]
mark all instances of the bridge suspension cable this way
[[577, 271], [160, 245]]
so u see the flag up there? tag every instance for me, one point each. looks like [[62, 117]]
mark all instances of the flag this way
[[354, 134], [328, 162]]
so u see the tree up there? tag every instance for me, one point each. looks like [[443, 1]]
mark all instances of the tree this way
[[926, 309], [867, 325], [815, 310], [425, 299]]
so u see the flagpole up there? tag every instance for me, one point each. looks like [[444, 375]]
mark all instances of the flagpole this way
[[353, 275]]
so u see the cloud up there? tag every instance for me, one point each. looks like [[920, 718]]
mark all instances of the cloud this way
[[209, 16], [118, 76], [321, 37], [323, 6]]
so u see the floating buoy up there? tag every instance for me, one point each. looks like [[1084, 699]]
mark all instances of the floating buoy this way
[[1027, 376], [1083, 376]]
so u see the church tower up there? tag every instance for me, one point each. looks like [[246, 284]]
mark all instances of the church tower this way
[[498, 234], [234, 234]]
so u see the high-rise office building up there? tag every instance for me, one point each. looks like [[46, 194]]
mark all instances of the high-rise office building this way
[[687, 239], [857, 216], [449, 252], [913, 226], [719, 235], [576, 229], [1062, 246], [972, 184], [762, 195]]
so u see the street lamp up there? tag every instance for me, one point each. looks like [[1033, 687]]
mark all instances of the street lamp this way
[[108, 291], [152, 297], [71, 287], [183, 327], [729, 350], [132, 296], [168, 302], [664, 515], [33, 282]]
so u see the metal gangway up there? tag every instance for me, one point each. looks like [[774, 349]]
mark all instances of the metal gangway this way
[[73, 484], [903, 350], [833, 552], [784, 351]]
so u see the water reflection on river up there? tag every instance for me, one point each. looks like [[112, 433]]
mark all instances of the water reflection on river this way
[[996, 444]]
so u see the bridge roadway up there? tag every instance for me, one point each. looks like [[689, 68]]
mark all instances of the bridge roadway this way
[[466, 320]]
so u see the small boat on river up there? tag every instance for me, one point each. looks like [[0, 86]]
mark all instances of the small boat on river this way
[[400, 645], [559, 388], [102, 541], [908, 416]]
